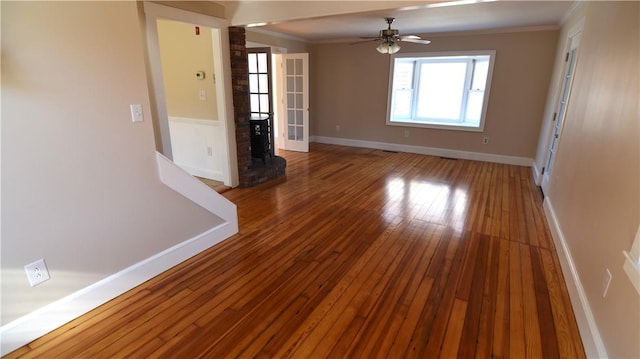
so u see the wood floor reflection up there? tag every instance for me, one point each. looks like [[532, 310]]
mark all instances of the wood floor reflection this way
[[356, 253]]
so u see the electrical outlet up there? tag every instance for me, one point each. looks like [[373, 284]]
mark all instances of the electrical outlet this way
[[337, 128], [202, 94], [37, 272], [485, 141], [606, 280], [209, 151], [406, 133]]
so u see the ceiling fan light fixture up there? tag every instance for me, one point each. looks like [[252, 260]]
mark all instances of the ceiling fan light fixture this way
[[383, 48], [388, 48], [394, 47]]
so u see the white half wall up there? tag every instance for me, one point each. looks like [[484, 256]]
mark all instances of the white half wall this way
[[46, 319], [198, 146]]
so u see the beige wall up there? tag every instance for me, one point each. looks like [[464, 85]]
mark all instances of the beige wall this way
[[80, 186], [349, 85], [595, 184], [182, 54], [210, 8], [292, 46]]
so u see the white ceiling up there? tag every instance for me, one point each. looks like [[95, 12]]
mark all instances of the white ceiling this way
[[426, 19]]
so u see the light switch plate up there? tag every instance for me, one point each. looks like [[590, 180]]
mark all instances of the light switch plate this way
[[606, 280], [136, 112]]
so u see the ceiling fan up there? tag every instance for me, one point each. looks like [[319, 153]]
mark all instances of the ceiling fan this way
[[391, 37]]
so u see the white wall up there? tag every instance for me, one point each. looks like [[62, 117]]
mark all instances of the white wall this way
[[196, 145], [80, 186]]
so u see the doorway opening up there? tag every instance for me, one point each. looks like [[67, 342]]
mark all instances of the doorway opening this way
[[193, 119], [571, 58]]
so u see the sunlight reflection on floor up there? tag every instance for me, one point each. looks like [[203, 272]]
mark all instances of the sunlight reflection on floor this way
[[426, 201]]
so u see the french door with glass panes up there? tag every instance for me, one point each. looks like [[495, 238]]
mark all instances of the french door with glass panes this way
[[295, 129]]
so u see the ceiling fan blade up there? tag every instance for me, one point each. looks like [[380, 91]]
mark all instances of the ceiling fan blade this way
[[417, 41], [363, 41], [369, 37], [413, 37]]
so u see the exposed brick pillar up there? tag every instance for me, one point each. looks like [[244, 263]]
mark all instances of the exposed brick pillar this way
[[240, 84], [251, 173]]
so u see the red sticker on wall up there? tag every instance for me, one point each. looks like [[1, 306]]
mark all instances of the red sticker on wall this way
[[197, 30]]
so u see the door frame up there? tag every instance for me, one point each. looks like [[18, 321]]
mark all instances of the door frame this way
[[222, 72], [572, 41]]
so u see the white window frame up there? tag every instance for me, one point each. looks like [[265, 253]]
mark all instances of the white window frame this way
[[441, 124]]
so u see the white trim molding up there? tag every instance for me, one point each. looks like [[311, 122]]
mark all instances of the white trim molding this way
[[591, 339], [432, 151], [631, 264], [40, 322], [537, 175]]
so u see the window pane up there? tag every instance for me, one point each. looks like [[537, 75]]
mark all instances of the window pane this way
[[291, 100], [299, 135], [290, 84], [290, 67], [253, 63], [299, 118], [299, 101], [291, 133], [298, 66], [441, 87], [263, 83], [298, 83], [480, 72], [291, 117], [264, 103], [262, 62], [474, 106], [402, 103], [403, 75], [255, 103], [253, 83]]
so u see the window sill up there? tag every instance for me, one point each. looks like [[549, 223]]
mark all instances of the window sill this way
[[457, 127]]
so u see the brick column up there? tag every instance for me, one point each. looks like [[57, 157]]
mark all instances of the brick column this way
[[250, 172], [240, 85]]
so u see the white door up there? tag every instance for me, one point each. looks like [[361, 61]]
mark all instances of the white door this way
[[561, 111], [295, 129]]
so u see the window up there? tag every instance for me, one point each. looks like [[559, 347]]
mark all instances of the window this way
[[440, 90]]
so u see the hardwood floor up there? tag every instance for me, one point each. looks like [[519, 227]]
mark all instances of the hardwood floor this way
[[356, 253], [215, 185]]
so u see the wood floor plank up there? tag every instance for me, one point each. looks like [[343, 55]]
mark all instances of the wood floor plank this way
[[484, 340], [451, 344], [501, 337], [354, 253], [533, 343], [545, 312], [517, 339]]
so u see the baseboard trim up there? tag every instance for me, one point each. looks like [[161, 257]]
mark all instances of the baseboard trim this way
[[432, 151], [43, 320], [536, 174], [46, 319], [591, 339], [202, 172]]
